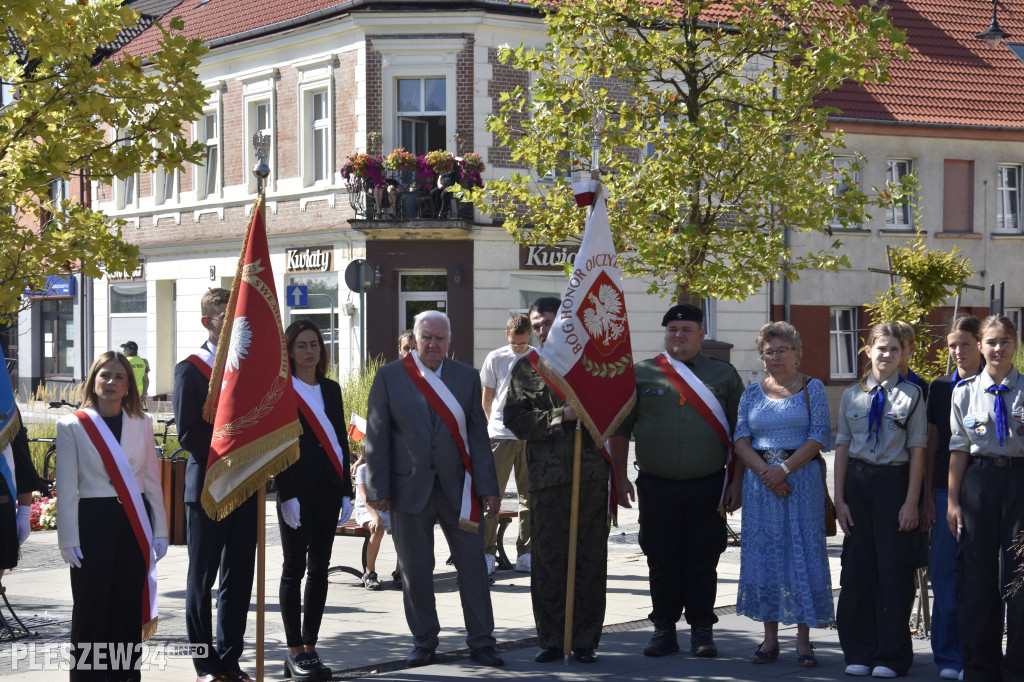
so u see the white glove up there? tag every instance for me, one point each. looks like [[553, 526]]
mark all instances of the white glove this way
[[290, 512], [159, 548], [73, 556], [24, 522], [346, 510]]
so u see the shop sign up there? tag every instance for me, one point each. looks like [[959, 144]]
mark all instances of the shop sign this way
[[546, 257], [56, 287], [310, 259], [136, 275]]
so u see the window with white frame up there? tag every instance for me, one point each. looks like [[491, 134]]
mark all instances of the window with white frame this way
[[6, 94], [126, 188], [1008, 213], [422, 114], [259, 121], [209, 172], [843, 342], [319, 135], [898, 215], [1014, 315], [164, 185], [844, 179]]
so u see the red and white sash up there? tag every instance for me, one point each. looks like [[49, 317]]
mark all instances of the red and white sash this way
[[317, 419], [451, 413], [533, 357], [703, 400], [203, 360], [115, 461]]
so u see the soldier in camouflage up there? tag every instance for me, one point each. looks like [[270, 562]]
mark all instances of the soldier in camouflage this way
[[534, 413]]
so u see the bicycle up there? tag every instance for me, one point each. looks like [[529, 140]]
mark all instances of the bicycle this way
[[161, 441], [49, 471]]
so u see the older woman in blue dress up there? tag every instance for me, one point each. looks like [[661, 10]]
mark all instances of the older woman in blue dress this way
[[783, 423]]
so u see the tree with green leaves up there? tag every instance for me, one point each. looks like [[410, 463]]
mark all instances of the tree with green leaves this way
[[69, 109], [925, 279], [711, 143]]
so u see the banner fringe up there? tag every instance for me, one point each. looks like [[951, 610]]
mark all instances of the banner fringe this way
[[149, 629], [244, 455], [468, 526], [553, 376], [10, 430]]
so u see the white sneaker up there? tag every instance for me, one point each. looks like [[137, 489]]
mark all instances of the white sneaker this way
[[882, 671], [949, 674], [489, 558], [523, 563], [858, 670]]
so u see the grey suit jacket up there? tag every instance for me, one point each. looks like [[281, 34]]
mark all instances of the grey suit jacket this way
[[404, 453]]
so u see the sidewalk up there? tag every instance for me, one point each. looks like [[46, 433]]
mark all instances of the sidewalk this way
[[364, 634]]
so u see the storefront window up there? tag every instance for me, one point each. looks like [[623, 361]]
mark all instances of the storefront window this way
[[323, 292], [127, 320], [525, 289], [58, 329]]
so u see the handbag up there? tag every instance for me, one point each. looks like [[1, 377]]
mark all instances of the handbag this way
[[830, 507]]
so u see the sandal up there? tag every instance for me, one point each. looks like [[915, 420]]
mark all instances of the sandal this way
[[370, 581], [761, 656], [807, 660]]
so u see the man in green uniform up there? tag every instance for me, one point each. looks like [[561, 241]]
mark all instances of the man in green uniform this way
[[535, 414], [139, 366], [683, 421]]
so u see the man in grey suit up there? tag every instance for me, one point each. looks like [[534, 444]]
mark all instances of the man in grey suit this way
[[415, 470]]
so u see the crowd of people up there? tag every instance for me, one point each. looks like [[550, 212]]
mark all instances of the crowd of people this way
[[442, 439]]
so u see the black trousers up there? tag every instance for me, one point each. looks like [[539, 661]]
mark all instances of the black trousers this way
[[683, 536], [227, 546], [307, 550], [877, 578], [107, 593], [992, 499], [549, 532]]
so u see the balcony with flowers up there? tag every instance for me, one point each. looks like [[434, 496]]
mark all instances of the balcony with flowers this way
[[405, 188]]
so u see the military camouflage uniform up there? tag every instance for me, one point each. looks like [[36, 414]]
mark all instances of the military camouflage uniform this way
[[533, 412]]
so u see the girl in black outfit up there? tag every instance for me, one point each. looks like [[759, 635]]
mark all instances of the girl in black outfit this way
[[311, 494]]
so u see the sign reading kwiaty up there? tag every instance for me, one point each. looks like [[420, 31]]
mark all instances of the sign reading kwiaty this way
[[310, 259], [539, 257], [588, 355]]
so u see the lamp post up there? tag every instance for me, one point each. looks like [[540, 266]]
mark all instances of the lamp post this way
[[993, 35]]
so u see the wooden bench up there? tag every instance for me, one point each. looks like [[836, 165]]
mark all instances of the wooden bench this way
[[351, 529]]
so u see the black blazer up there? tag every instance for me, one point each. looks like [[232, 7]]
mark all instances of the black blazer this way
[[314, 463], [194, 432]]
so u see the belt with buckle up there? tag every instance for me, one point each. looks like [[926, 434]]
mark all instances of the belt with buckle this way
[[878, 469], [1000, 461]]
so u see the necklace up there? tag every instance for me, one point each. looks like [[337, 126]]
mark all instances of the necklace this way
[[785, 389]]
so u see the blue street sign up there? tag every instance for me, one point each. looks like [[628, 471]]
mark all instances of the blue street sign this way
[[297, 295]]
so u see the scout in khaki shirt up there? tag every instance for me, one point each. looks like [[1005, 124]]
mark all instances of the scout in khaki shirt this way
[[986, 505], [880, 446]]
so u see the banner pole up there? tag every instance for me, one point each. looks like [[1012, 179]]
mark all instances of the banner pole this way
[[574, 516]]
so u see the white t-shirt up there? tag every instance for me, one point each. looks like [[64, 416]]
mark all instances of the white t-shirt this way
[[496, 373]]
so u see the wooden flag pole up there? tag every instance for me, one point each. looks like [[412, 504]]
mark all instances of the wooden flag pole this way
[[574, 517], [261, 143]]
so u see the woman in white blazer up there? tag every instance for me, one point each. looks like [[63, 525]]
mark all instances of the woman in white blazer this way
[[109, 570]]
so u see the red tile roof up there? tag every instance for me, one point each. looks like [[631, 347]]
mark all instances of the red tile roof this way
[[952, 78]]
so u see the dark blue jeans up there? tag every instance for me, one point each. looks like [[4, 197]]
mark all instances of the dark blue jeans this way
[[946, 646]]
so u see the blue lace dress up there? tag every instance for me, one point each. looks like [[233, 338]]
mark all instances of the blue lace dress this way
[[784, 573]]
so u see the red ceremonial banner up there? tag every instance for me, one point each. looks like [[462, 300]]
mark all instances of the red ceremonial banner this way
[[251, 402]]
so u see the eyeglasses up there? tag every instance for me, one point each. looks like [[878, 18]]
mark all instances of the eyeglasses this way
[[519, 345], [777, 353]]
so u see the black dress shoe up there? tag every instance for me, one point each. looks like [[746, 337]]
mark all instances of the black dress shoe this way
[[585, 655], [485, 655], [548, 654], [420, 656], [663, 642], [702, 641], [299, 667], [322, 671]]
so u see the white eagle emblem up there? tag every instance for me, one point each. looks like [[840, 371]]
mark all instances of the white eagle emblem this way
[[241, 338], [606, 317]]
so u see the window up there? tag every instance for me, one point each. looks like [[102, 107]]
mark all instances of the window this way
[[1014, 315], [259, 122], [320, 136], [843, 341], [6, 94], [898, 215], [1008, 212], [164, 182], [210, 171], [125, 188], [127, 318], [845, 178], [422, 114], [323, 301], [58, 327]]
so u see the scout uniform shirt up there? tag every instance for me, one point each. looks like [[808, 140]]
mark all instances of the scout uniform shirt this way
[[973, 418], [903, 423]]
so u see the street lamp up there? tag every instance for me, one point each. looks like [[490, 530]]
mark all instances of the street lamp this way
[[993, 35]]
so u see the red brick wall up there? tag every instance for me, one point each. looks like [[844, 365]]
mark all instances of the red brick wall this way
[[504, 79]]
